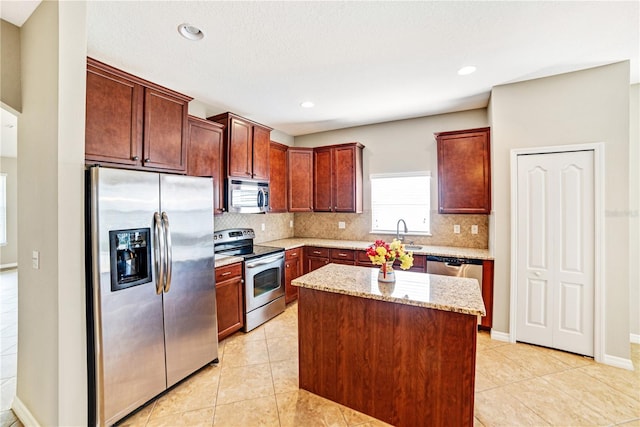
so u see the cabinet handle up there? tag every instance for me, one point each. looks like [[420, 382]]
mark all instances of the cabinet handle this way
[[316, 252], [135, 158], [342, 254], [287, 266], [294, 254], [226, 274], [147, 160]]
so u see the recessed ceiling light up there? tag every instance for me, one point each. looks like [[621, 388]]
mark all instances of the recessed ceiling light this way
[[307, 104], [466, 70], [190, 32]]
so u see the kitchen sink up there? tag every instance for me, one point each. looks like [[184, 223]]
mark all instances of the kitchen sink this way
[[412, 247]]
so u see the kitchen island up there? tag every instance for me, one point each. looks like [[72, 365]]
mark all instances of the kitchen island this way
[[403, 353]]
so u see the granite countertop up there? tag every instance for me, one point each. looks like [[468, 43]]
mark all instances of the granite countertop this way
[[450, 251], [446, 293], [222, 260]]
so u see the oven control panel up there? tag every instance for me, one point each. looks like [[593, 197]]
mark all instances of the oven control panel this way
[[233, 234]]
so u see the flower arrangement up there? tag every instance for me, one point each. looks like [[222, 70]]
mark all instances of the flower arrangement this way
[[381, 253]]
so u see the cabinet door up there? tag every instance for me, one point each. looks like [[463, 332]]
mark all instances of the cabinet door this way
[[464, 173], [344, 179], [165, 131], [292, 270], [322, 181], [300, 179], [487, 292], [277, 178], [261, 141], [205, 156], [229, 300], [240, 148], [113, 130]]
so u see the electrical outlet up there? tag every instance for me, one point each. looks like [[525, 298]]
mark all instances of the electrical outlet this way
[[262, 226], [341, 224], [456, 228], [290, 223], [474, 229], [35, 260]]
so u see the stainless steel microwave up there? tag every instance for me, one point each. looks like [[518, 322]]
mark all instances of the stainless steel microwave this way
[[248, 195]]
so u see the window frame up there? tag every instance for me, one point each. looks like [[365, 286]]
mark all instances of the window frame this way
[[410, 174]]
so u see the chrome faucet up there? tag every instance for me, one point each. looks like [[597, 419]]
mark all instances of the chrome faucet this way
[[401, 238]]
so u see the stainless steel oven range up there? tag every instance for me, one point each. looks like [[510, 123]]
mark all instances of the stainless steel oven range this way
[[263, 274]]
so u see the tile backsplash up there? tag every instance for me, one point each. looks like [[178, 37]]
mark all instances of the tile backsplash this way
[[276, 226], [358, 227]]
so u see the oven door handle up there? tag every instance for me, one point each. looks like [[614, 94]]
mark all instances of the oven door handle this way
[[264, 261]]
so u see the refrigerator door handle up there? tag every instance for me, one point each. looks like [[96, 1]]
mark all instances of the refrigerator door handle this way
[[159, 250], [169, 251]]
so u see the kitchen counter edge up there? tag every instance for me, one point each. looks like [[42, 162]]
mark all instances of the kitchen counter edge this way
[[448, 251]]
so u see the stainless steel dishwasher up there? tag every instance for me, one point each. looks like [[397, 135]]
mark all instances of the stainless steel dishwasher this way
[[457, 267]]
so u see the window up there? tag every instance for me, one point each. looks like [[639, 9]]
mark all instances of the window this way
[[3, 208], [401, 195]]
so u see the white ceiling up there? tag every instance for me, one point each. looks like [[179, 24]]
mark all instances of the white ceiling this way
[[360, 62]]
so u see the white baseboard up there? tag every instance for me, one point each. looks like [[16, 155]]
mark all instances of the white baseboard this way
[[500, 336], [8, 266], [618, 362], [634, 338], [23, 413]]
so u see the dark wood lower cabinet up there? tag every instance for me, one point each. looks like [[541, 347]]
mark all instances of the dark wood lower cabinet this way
[[292, 270], [229, 299], [405, 365]]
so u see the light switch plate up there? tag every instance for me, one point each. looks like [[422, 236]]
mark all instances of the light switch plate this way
[[262, 226], [456, 229], [35, 260], [474, 229], [291, 223], [341, 224]]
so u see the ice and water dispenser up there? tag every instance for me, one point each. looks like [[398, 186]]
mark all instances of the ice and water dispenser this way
[[130, 258]]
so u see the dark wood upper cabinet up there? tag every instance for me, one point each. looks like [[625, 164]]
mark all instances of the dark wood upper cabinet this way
[[205, 156], [261, 146], [133, 123], [337, 181], [277, 177], [300, 179], [464, 171], [247, 145]]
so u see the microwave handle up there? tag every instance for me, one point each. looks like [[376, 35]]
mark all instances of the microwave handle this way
[[262, 198]]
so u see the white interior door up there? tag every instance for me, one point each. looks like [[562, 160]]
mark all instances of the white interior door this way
[[555, 270]]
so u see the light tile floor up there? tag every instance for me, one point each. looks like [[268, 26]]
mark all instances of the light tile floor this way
[[256, 384], [8, 345]]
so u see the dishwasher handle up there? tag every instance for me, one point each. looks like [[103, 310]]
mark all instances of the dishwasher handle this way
[[453, 261]]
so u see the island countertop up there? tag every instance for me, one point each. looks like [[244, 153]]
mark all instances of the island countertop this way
[[460, 295]]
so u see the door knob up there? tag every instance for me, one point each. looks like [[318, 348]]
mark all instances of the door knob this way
[[538, 274]]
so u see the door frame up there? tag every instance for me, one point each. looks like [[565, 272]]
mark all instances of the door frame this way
[[598, 149]]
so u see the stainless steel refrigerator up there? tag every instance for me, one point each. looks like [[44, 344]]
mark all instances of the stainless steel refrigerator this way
[[150, 286]]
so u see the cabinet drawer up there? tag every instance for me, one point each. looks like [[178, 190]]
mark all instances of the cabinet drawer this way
[[292, 254], [228, 271], [317, 252], [343, 254], [363, 257]]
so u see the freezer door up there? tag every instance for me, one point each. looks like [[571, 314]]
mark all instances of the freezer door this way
[[127, 324], [191, 330]]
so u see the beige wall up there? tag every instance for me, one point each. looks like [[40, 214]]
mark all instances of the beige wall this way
[[405, 145], [51, 380], [9, 252], [581, 107], [10, 70], [634, 209]]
